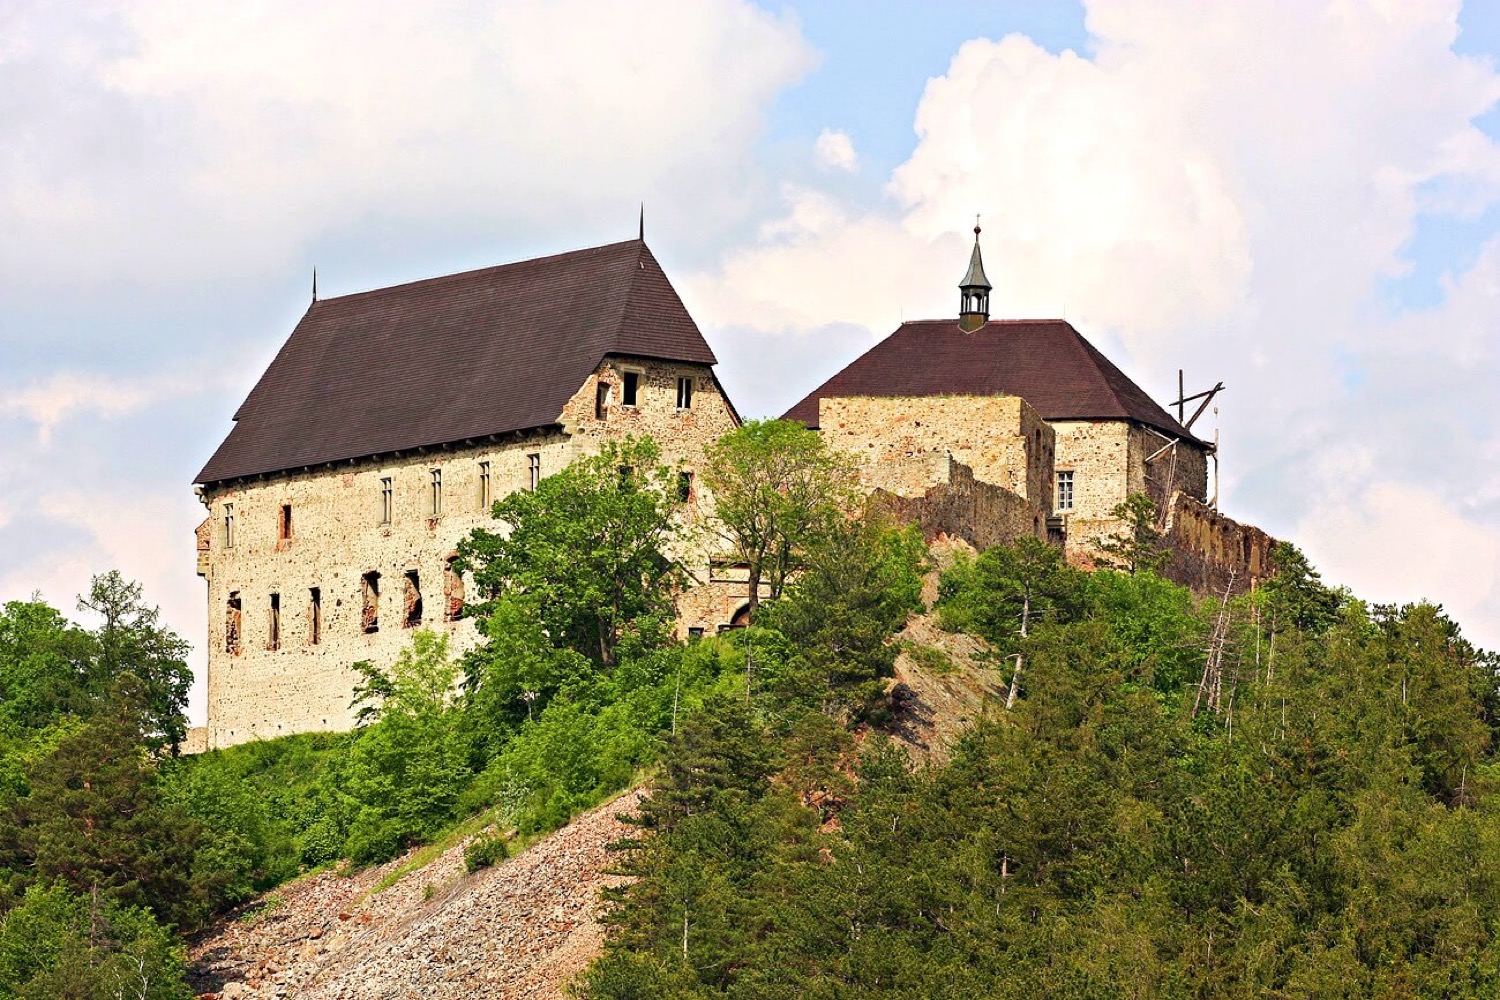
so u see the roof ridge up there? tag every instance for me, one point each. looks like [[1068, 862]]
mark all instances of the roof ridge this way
[[441, 279]]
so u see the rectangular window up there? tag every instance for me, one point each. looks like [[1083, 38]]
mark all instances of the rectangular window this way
[[437, 493], [229, 525], [533, 470], [232, 623], [484, 486], [601, 401], [387, 495], [273, 639], [1065, 491], [315, 616], [684, 393], [370, 591], [412, 600], [284, 525], [684, 487], [453, 590], [631, 389], [695, 633]]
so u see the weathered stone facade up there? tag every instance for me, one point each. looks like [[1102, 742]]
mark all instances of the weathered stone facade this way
[[958, 505], [1210, 553], [312, 571], [1000, 438], [1108, 460]]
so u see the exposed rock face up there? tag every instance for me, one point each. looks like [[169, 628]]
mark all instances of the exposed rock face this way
[[523, 928]]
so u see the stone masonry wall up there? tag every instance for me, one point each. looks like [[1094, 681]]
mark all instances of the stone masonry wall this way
[[1210, 552], [1108, 462], [1000, 438], [962, 506], [338, 536]]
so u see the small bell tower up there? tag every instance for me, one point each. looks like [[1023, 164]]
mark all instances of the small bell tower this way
[[974, 291]]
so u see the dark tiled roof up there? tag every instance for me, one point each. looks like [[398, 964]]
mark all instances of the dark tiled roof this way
[[1045, 362], [463, 356]]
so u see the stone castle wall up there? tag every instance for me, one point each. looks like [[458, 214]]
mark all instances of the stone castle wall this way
[[338, 535], [1210, 552], [902, 443], [959, 505], [1108, 459]]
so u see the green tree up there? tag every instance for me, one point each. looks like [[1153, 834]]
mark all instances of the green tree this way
[[590, 547], [44, 667], [859, 582], [59, 945], [777, 488], [410, 765], [130, 639], [93, 818], [1138, 544]]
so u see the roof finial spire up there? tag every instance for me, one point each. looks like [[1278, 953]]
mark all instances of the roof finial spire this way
[[642, 235], [315, 284], [974, 290]]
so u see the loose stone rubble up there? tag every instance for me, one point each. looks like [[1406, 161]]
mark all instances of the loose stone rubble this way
[[523, 928]]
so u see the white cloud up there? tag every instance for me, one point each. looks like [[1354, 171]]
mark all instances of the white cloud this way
[[47, 402], [834, 150], [1398, 543], [159, 142]]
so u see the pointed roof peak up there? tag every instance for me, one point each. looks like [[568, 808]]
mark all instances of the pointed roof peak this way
[[975, 278]]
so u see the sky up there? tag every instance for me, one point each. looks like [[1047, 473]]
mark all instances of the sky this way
[[1299, 199]]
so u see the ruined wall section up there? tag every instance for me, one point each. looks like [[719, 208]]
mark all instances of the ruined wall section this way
[[1000, 438], [960, 505], [1209, 552], [1180, 468], [266, 675]]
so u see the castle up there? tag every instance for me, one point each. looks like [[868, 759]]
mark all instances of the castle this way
[[391, 420]]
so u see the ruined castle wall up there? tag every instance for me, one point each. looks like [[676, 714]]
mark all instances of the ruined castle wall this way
[[1210, 552], [338, 534], [962, 506], [1108, 460], [902, 443]]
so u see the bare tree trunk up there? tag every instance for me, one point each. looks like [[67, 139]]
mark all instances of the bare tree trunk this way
[[1015, 677]]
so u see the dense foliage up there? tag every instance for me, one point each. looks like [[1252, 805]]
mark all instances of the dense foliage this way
[[1328, 826]]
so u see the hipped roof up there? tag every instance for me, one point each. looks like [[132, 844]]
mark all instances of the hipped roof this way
[[453, 358], [1045, 362]]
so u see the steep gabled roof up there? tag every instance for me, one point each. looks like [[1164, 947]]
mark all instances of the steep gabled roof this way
[[1045, 362], [447, 359]]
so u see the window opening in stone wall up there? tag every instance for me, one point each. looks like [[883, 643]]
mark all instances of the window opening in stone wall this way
[[284, 524], [229, 525], [533, 471], [436, 493], [453, 591], [684, 393], [411, 599], [601, 401], [370, 589], [1065, 491], [695, 632], [315, 615], [631, 388], [232, 623], [484, 486], [684, 487], [387, 495], [273, 638]]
